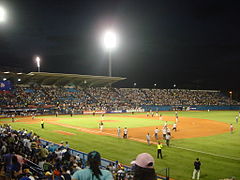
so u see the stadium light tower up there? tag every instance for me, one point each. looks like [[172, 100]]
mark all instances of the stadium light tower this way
[[110, 42], [38, 63], [2, 14]]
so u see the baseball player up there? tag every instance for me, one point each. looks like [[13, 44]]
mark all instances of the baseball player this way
[[231, 128], [174, 127], [160, 117], [101, 126], [148, 138], [236, 119], [164, 132], [119, 132], [125, 133], [156, 131]]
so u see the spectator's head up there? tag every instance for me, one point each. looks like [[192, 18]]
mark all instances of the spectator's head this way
[[94, 160], [144, 167]]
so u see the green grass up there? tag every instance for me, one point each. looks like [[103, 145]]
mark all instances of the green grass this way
[[178, 160]]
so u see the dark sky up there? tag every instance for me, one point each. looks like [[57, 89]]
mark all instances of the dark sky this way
[[188, 43]]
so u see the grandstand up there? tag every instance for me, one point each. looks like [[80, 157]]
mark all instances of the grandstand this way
[[41, 93]]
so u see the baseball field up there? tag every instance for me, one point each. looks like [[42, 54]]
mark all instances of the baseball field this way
[[205, 135]]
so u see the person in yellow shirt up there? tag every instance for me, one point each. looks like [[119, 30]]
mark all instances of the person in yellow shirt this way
[[42, 124], [159, 149]]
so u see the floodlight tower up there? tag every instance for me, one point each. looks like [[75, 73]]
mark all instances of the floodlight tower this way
[[110, 44], [38, 63]]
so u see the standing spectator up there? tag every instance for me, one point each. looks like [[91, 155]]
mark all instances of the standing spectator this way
[[119, 132], [42, 124], [231, 128], [67, 145], [159, 150], [125, 133], [196, 170], [148, 138], [93, 172], [144, 167]]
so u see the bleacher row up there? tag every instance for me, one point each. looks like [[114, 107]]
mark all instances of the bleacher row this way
[[24, 156], [107, 99]]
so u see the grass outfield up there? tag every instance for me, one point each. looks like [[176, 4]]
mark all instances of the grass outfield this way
[[219, 154]]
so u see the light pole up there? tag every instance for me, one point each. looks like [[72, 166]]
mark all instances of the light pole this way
[[230, 100], [110, 44], [38, 63]]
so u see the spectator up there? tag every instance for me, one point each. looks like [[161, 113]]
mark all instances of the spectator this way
[[144, 167], [93, 172]]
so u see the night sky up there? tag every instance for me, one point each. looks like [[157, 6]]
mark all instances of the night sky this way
[[193, 44]]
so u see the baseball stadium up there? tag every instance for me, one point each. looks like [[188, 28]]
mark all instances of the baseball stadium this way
[[52, 119]]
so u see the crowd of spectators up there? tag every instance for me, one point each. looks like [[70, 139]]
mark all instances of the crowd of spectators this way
[[106, 98], [24, 157]]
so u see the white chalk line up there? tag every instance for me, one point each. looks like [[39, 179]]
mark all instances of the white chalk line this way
[[141, 140]]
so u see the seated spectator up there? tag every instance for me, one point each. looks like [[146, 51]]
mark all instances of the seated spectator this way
[[93, 172], [144, 169]]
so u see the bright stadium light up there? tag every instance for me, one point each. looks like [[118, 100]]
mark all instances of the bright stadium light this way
[[110, 43], [38, 63], [2, 14], [110, 40]]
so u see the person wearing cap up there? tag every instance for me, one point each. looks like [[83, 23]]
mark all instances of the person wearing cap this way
[[144, 167], [159, 149], [93, 172], [196, 170]]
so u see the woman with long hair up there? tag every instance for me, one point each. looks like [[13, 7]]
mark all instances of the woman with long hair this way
[[93, 172]]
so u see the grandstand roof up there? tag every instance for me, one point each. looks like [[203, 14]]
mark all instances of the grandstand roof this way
[[59, 79]]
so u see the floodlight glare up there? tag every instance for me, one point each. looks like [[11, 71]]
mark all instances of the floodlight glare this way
[[110, 40], [2, 14], [38, 63]]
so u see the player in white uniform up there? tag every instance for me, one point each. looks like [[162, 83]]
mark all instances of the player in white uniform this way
[[148, 138], [101, 126], [119, 132], [125, 133], [156, 131], [174, 127]]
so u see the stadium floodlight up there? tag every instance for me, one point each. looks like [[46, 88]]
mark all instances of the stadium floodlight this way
[[2, 14], [155, 85], [110, 43], [19, 79], [38, 63], [134, 84], [4, 79]]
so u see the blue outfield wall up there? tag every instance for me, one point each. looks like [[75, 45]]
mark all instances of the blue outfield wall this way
[[189, 107]]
